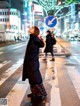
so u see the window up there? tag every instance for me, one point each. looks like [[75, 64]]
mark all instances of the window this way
[[0, 13], [3, 13], [7, 19], [5, 26], [3, 19]]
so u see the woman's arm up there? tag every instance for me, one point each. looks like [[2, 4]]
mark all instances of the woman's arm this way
[[40, 42]]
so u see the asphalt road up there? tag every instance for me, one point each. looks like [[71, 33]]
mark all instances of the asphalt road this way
[[61, 78]]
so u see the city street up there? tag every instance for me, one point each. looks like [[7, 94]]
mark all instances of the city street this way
[[61, 78]]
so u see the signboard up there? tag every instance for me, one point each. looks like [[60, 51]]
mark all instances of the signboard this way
[[41, 28], [51, 21]]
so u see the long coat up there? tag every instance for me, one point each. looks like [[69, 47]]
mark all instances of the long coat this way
[[49, 44], [31, 61]]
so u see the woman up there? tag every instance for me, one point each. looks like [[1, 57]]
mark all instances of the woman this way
[[31, 64], [49, 45]]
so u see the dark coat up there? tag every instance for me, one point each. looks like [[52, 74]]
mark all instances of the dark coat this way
[[49, 44], [31, 61]]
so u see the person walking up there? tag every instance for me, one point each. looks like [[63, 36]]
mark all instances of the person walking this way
[[49, 45], [31, 65]]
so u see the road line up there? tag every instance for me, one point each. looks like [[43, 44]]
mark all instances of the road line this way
[[18, 46], [17, 93], [77, 59], [4, 63], [55, 94], [10, 71], [1, 52], [75, 78]]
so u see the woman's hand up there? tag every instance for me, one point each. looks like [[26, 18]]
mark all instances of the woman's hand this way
[[41, 38]]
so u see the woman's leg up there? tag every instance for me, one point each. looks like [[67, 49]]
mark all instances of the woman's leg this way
[[45, 56], [52, 56], [41, 92]]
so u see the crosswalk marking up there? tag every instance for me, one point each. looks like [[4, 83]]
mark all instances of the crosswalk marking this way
[[1, 52], [19, 46], [55, 94], [4, 63], [77, 59], [16, 95], [10, 71], [75, 78]]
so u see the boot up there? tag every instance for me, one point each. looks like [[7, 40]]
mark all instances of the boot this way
[[33, 94], [52, 59], [41, 93]]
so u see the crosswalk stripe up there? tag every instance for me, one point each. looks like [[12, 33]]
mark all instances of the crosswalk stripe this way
[[1, 52], [77, 59], [10, 71], [4, 63], [75, 78], [54, 93], [19, 46], [17, 93]]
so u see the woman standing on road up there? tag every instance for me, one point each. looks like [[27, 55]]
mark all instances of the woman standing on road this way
[[31, 64]]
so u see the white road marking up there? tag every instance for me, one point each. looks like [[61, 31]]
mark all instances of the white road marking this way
[[55, 93], [19, 46], [77, 59], [10, 71], [75, 78], [4, 63], [17, 93], [1, 52]]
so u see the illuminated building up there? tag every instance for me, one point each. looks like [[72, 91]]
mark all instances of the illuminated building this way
[[10, 24]]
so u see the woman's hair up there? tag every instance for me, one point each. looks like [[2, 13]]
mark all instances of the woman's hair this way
[[36, 30]]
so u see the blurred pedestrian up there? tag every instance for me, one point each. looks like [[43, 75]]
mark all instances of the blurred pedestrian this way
[[31, 65], [15, 38], [49, 45]]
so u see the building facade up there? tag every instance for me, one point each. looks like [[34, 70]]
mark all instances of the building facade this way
[[10, 24]]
